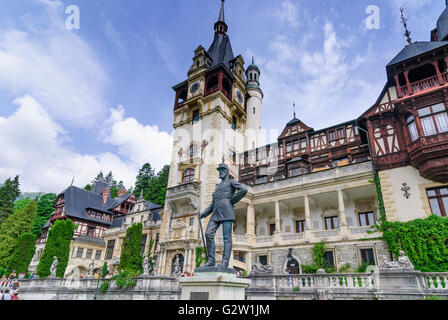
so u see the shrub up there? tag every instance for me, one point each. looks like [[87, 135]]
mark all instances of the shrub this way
[[309, 269], [23, 253], [125, 279], [131, 259], [58, 244], [104, 270], [345, 268], [199, 259], [362, 267], [296, 289], [104, 286], [2, 271], [432, 298]]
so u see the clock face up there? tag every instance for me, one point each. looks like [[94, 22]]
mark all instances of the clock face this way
[[239, 95], [194, 87]]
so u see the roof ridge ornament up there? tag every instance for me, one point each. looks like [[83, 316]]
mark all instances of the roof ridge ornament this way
[[294, 106], [407, 33]]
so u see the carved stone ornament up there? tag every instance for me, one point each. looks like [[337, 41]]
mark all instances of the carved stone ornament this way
[[405, 189], [259, 268]]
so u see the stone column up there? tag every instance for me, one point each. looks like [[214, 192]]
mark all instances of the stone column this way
[[277, 217], [342, 217], [306, 200], [250, 221]]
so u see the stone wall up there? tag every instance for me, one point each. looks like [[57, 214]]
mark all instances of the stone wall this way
[[344, 252]]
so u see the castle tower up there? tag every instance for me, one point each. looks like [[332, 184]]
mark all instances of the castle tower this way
[[210, 123], [254, 99]]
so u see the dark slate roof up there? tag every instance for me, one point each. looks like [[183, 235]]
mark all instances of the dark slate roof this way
[[293, 121], [152, 206], [221, 50], [415, 49], [118, 200], [100, 186], [116, 223], [78, 200], [442, 25]]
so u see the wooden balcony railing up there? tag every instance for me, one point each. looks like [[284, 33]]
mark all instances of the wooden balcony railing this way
[[423, 85]]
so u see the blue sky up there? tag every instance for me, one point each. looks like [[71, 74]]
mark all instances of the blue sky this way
[[73, 102]]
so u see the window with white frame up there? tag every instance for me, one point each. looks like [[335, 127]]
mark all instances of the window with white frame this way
[[434, 119], [412, 127]]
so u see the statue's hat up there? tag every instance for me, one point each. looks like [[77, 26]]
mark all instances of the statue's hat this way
[[223, 166]]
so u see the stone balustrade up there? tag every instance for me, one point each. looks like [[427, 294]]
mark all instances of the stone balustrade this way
[[380, 285]]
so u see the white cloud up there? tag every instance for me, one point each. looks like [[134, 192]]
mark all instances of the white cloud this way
[[53, 64], [321, 76], [137, 142], [287, 12], [34, 148]]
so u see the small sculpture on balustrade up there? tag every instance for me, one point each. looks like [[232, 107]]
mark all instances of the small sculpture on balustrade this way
[[259, 268], [146, 266], [91, 268], [403, 263], [54, 267]]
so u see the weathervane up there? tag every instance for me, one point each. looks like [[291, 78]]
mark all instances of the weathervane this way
[[294, 106], [407, 33]]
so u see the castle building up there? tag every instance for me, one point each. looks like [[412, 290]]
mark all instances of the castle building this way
[[310, 185]]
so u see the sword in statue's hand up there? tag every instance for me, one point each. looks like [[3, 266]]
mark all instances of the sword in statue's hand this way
[[202, 234]]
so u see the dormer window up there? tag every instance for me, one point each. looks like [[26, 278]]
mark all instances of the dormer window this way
[[294, 128]]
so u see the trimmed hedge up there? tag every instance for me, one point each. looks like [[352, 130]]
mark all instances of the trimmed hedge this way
[[58, 244], [23, 253], [131, 258]]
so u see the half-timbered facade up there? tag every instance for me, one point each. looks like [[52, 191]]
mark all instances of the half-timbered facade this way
[[408, 128], [93, 212]]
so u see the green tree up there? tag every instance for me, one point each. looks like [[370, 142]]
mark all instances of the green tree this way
[[99, 177], [9, 192], [88, 187], [15, 225], [23, 253], [104, 270], [143, 180], [21, 203], [44, 209], [131, 259], [158, 185], [58, 245]]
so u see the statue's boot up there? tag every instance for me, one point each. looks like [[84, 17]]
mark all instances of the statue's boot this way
[[209, 264], [224, 264]]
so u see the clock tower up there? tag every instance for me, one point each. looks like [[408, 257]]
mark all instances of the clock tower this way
[[211, 126]]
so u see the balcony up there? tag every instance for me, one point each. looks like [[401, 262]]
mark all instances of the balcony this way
[[182, 190], [423, 85]]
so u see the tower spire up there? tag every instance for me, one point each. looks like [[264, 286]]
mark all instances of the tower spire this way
[[407, 33], [220, 25], [221, 13], [294, 107]]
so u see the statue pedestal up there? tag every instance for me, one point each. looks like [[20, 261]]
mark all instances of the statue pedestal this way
[[214, 283]]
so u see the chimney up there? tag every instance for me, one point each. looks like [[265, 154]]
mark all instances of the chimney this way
[[105, 195], [122, 192]]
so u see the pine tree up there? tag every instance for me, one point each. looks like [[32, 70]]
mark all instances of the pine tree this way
[[58, 245], [15, 225], [143, 180], [23, 253], [44, 210], [99, 177], [8, 194], [159, 185], [131, 258], [88, 187]]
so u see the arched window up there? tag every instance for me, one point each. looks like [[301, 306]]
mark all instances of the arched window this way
[[188, 175], [412, 127]]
